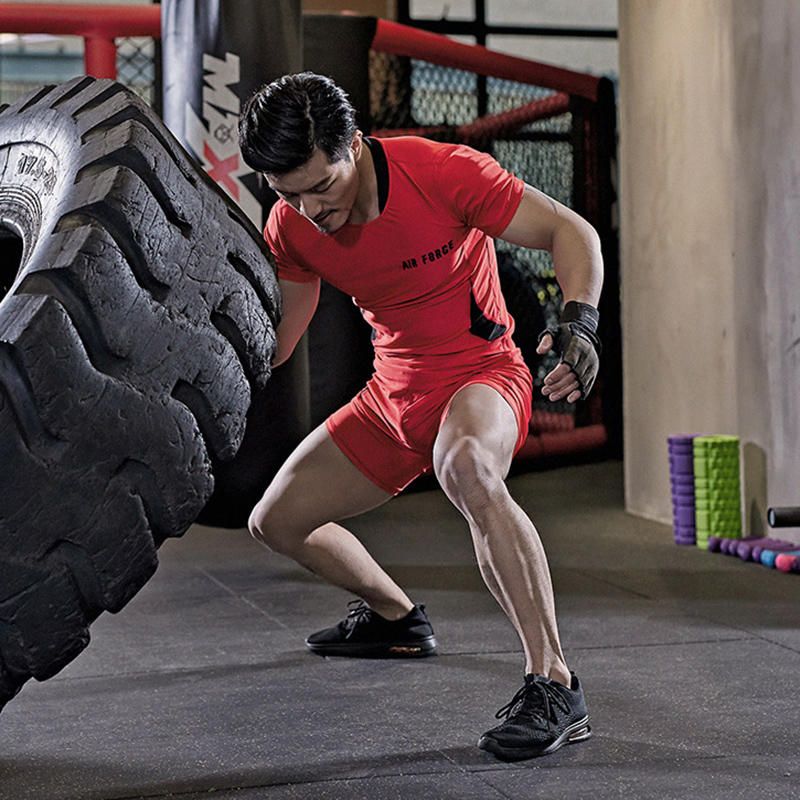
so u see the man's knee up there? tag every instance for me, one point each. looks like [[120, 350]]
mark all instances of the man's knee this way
[[267, 527], [468, 472], [257, 524]]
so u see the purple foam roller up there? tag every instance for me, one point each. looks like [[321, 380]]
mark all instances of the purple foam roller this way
[[728, 546]]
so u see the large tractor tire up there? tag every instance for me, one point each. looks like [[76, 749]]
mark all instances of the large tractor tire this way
[[138, 317]]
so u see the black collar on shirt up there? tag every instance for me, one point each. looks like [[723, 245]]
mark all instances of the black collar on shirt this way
[[381, 170]]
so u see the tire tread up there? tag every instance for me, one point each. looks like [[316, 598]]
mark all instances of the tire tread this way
[[128, 349]]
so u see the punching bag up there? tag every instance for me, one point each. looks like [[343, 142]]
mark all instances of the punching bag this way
[[216, 53], [340, 365]]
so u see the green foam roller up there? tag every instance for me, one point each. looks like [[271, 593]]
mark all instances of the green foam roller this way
[[722, 481], [716, 483], [728, 473], [717, 523], [715, 440], [716, 501], [722, 513], [726, 492], [726, 523], [718, 506], [719, 467], [729, 476], [717, 493], [717, 487], [707, 446], [718, 513], [717, 458], [715, 448], [726, 514], [722, 486], [712, 499], [722, 458]]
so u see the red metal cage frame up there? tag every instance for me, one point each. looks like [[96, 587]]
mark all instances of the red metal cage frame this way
[[99, 25]]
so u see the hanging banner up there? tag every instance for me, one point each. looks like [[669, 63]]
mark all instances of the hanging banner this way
[[216, 53]]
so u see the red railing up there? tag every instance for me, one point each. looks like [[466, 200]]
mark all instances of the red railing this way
[[403, 40], [492, 125], [98, 25]]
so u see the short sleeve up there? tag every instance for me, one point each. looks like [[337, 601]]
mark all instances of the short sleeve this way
[[287, 268], [480, 192]]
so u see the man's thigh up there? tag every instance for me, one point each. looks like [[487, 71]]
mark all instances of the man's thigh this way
[[479, 413], [318, 484]]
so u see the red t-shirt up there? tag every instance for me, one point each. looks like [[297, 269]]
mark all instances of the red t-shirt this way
[[424, 272]]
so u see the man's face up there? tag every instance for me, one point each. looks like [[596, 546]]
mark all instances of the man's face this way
[[322, 192]]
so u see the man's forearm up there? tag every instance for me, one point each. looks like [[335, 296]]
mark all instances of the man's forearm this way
[[299, 304], [577, 260], [283, 352]]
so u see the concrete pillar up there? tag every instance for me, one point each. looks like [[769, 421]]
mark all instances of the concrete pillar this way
[[710, 198]]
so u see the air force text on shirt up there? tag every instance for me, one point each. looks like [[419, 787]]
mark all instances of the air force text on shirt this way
[[430, 256]]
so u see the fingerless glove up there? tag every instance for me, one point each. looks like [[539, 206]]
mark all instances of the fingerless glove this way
[[575, 340]]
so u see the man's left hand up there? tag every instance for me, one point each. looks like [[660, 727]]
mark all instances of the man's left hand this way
[[575, 340]]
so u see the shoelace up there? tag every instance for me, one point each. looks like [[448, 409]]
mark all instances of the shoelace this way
[[535, 699], [359, 612]]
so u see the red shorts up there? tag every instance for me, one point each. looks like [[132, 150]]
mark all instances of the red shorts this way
[[388, 429]]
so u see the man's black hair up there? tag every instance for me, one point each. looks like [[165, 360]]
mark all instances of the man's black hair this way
[[285, 120]]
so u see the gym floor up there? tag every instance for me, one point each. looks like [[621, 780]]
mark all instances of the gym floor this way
[[202, 687]]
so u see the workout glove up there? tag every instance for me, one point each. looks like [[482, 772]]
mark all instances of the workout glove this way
[[575, 340]]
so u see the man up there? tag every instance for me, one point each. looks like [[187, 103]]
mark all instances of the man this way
[[404, 226]]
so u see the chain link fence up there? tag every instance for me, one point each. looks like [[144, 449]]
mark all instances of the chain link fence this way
[[135, 68]]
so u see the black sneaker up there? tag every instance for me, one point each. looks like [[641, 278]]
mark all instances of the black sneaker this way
[[365, 633], [541, 717]]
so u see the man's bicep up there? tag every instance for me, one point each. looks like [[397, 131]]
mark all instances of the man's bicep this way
[[535, 220]]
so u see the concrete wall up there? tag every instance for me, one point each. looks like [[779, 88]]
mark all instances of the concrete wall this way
[[710, 198]]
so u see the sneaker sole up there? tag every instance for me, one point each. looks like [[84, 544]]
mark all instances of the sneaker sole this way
[[578, 731], [418, 649]]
